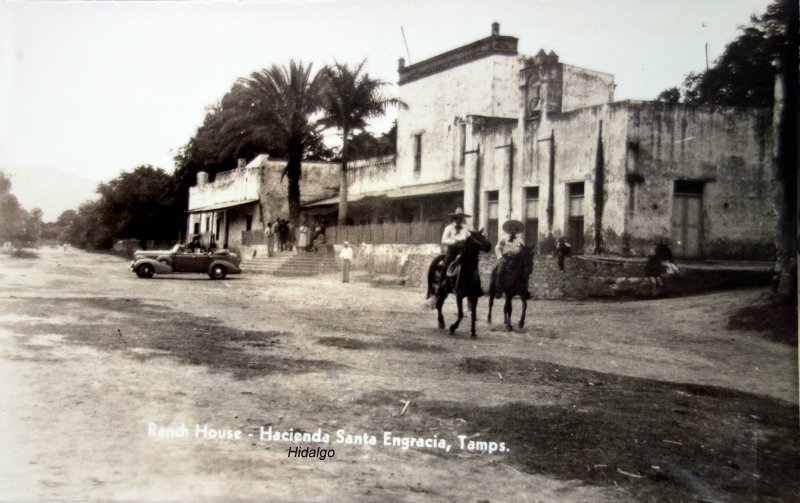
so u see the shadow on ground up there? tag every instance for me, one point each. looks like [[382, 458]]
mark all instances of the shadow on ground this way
[[145, 331], [661, 441]]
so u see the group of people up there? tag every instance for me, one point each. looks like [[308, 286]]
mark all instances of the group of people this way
[[283, 232], [456, 233], [311, 240], [196, 245]]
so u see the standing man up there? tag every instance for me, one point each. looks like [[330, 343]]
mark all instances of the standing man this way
[[283, 233], [269, 233], [347, 256], [453, 237]]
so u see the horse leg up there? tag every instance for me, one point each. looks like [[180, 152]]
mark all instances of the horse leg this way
[[507, 313], [439, 303], [460, 304], [491, 303], [524, 310], [473, 307]]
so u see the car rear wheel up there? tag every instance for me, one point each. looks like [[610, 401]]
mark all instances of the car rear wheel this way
[[145, 271], [218, 272]]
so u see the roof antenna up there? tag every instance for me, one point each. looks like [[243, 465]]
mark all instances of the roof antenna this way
[[406, 43]]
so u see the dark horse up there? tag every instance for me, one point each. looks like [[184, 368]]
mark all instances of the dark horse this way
[[513, 282], [462, 278]]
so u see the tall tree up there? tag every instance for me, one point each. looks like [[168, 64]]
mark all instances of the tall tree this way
[[351, 99], [279, 102], [744, 74]]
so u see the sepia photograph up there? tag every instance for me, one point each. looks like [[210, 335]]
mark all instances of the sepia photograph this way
[[399, 251]]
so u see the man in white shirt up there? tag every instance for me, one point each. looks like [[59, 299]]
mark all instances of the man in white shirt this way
[[453, 237], [347, 256], [509, 247]]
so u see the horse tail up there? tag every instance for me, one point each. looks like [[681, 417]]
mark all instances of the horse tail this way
[[493, 282], [435, 265]]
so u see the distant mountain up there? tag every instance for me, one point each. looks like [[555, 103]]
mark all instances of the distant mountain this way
[[52, 190]]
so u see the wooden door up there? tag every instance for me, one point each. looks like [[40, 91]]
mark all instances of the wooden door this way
[[687, 225]]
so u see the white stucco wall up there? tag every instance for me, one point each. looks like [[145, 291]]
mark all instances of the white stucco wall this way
[[229, 187], [438, 103]]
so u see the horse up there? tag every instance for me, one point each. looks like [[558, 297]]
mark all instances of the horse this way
[[514, 281], [462, 278]]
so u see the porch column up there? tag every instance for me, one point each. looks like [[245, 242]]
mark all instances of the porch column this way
[[472, 187]]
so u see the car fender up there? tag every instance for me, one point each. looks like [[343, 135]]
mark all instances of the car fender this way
[[158, 266], [165, 259], [230, 266]]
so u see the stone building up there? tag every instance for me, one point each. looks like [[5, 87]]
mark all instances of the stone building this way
[[531, 138], [505, 135]]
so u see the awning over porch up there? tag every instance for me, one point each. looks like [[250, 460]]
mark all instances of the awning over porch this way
[[452, 186], [222, 206]]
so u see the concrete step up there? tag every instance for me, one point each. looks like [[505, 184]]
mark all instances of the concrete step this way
[[291, 264]]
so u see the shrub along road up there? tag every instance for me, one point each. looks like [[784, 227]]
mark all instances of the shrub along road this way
[[117, 389]]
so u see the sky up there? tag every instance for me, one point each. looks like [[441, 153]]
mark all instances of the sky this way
[[91, 89]]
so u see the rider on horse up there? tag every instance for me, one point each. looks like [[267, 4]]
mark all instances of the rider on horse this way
[[453, 237], [507, 248]]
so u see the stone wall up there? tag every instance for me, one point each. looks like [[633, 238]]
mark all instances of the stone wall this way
[[607, 277]]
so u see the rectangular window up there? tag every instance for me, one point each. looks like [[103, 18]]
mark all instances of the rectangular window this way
[[249, 222], [575, 192], [417, 154], [492, 210], [219, 219], [532, 216]]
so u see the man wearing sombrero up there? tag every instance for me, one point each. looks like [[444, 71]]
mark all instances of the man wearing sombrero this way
[[509, 247], [454, 235]]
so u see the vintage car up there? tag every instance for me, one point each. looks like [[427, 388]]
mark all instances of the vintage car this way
[[216, 263]]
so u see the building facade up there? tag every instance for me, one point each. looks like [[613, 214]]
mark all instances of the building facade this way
[[505, 135], [247, 198]]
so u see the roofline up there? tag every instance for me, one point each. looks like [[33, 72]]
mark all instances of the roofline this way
[[503, 45]]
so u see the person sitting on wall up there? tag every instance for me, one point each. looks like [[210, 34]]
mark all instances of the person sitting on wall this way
[[454, 237], [506, 249], [660, 263], [319, 236]]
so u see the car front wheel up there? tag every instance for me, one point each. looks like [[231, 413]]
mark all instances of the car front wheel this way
[[145, 271], [218, 272]]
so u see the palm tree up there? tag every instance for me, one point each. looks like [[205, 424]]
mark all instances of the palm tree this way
[[350, 99], [280, 101]]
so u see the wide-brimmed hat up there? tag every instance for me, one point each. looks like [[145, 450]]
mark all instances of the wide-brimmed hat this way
[[459, 213], [513, 226]]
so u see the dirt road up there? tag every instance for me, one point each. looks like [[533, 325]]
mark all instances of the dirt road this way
[[112, 387]]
